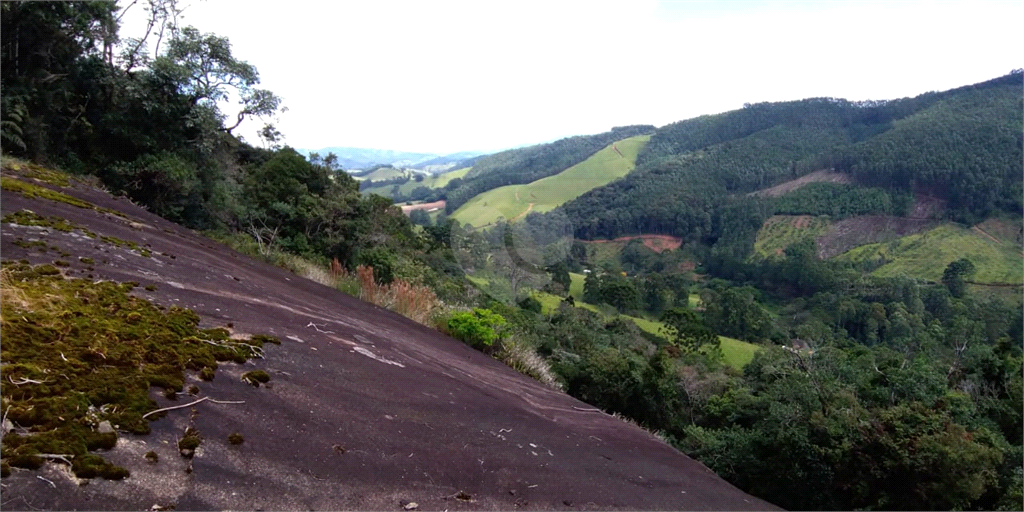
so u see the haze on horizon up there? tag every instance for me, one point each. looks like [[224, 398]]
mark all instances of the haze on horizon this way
[[449, 76]]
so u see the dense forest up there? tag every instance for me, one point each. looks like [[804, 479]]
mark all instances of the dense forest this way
[[963, 145], [864, 392]]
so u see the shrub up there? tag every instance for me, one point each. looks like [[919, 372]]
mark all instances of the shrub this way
[[479, 328]]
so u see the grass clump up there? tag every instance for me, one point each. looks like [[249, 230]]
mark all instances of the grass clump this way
[[78, 353], [256, 377], [235, 438], [190, 441], [152, 457]]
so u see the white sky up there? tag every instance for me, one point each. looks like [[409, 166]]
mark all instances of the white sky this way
[[445, 76]]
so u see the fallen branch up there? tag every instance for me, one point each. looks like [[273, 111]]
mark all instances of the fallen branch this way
[[256, 351], [26, 381], [55, 456], [203, 399], [311, 324], [47, 481], [586, 410]]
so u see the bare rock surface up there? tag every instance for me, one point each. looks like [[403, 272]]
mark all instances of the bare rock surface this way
[[364, 410]]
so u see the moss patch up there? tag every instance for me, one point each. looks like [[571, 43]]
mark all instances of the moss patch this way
[[32, 191], [235, 438], [256, 377], [30, 218], [78, 353]]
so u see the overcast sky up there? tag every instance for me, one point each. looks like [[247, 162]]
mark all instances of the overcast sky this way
[[440, 76]]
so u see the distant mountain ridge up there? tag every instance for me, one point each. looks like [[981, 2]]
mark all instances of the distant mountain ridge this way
[[352, 159]]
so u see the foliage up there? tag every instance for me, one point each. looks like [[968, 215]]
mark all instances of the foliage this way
[[479, 328], [687, 331]]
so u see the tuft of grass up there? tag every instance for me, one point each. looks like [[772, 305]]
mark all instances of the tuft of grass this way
[[235, 438], [525, 360], [416, 302]]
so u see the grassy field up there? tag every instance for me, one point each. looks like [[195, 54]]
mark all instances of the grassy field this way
[[781, 231], [926, 255], [438, 181], [384, 173], [736, 353], [513, 201], [576, 287]]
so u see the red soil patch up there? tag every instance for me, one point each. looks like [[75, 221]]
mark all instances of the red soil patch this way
[[436, 205], [656, 243]]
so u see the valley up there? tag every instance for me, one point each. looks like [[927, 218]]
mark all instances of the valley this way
[[811, 304]]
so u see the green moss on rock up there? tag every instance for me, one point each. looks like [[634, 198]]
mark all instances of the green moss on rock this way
[[81, 353], [256, 377]]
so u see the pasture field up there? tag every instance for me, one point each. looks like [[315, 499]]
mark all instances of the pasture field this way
[[513, 201], [384, 173], [925, 255], [576, 286], [437, 181]]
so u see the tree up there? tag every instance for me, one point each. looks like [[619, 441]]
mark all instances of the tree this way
[[687, 331], [419, 217], [955, 275], [205, 71]]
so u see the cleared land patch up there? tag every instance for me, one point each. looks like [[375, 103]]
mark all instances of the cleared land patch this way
[[513, 201], [656, 243], [925, 255], [814, 177], [781, 231], [436, 205], [853, 232]]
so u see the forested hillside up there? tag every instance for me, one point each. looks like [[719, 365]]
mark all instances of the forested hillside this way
[[963, 145], [876, 384]]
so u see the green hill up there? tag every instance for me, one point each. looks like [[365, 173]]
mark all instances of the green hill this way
[[511, 202], [963, 146], [525, 165], [405, 189]]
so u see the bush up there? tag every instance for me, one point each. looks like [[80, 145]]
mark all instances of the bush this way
[[479, 328]]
